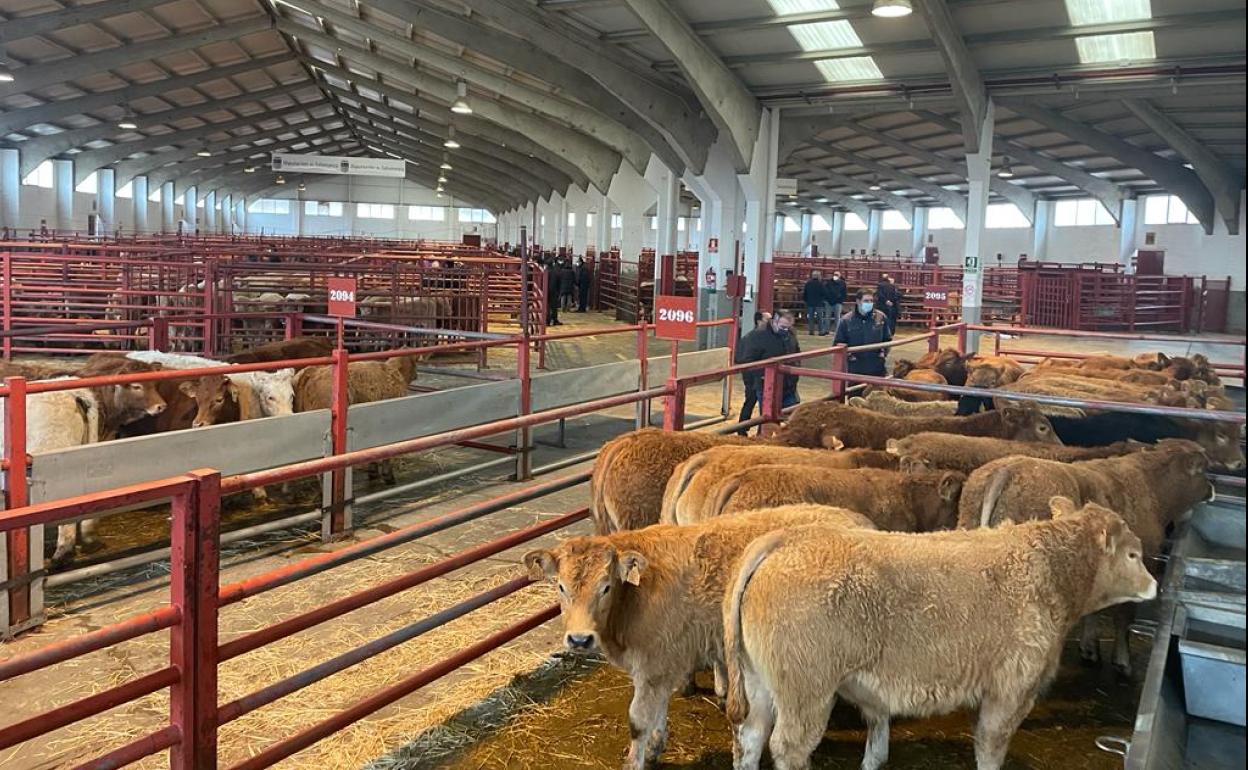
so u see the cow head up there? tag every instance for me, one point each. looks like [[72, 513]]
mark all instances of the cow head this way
[[902, 367], [136, 400], [1152, 361], [984, 375], [940, 510], [1221, 443], [590, 575], [952, 365], [1025, 422], [213, 394], [276, 392], [1120, 572]]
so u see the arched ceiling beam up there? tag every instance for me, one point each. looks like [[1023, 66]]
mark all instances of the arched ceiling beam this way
[[901, 203], [24, 117], [468, 176], [33, 78], [730, 104], [663, 105], [1109, 194], [852, 205], [1223, 182], [214, 178], [43, 23], [949, 198], [968, 87], [184, 171], [1170, 175]]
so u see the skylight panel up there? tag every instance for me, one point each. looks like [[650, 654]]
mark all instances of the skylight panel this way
[[1084, 12], [849, 68], [793, 7], [1126, 47], [825, 35]]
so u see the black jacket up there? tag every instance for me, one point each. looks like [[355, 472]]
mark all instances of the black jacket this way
[[855, 329], [813, 292], [583, 276], [762, 344], [835, 291], [567, 280], [886, 293]]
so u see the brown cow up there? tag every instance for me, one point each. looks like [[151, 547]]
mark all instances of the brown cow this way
[[949, 451], [992, 371], [122, 404], [913, 625], [879, 401], [626, 489], [948, 363], [831, 425], [650, 600], [285, 350], [692, 485], [928, 376], [902, 502]]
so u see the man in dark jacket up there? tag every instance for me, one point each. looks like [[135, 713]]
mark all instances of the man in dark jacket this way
[[567, 284], [835, 292], [864, 326], [813, 296], [583, 282], [761, 319], [775, 338], [889, 297], [552, 292]]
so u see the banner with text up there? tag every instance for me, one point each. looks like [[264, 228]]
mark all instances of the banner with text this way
[[336, 164]]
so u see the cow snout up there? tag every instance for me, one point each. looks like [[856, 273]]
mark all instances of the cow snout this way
[[156, 409], [580, 641], [1149, 593]]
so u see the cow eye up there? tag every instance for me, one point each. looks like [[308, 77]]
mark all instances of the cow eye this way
[[1133, 556], [135, 386], [563, 590], [606, 589]]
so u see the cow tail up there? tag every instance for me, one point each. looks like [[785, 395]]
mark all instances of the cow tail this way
[[734, 649], [723, 495], [677, 486], [1000, 477], [597, 495]]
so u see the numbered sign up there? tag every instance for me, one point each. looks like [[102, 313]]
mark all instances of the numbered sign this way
[[676, 318], [936, 299], [342, 297]]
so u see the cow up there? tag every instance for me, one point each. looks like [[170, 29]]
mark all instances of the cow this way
[[831, 426], [879, 401], [902, 502], [1220, 440], [926, 376], [284, 350], [693, 483], [913, 625], [122, 404], [650, 600], [631, 472], [212, 399], [1151, 488], [949, 451]]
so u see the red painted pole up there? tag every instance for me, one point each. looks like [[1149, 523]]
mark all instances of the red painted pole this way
[[643, 407], [340, 394], [773, 395], [194, 561], [17, 496], [674, 406], [840, 363], [8, 305], [962, 338]]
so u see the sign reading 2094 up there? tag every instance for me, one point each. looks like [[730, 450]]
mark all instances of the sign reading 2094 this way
[[675, 318], [341, 296]]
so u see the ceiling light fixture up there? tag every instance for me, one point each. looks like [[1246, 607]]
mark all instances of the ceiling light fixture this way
[[127, 122], [203, 152], [6, 74], [461, 106], [892, 9], [450, 142], [1006, 172], [301, 187], [280, 180], [249, 170], [441, 179], [875, 183]]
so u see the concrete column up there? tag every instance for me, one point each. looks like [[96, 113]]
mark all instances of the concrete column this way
[[778, 232], [190, 212], [918, 233], [10, 188], [106, 199], [1126, 231], [168, 209], [1040, 230], [666, 211], [807, 232], [979, 172], [836, 237], [561, 220], [138, 199], [210, 213], [875, 222], [602, 224], [759, 190], [63, 190], [240, 215], [634, 197], [227, 214]]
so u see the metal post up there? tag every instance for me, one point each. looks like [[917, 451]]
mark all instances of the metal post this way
[[840, 363], [643, 407], [773, 394], [21, 614], [194, 579], [674, 406], [726, 407], [8, 305], [524, 436], [338, 520], [962, 338], [210, 324], [933, 342], [159, 334]]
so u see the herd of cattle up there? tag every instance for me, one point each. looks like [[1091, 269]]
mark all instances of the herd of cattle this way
[[911, 563], [68, 418]]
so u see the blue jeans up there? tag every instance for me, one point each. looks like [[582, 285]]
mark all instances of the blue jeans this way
[[831, 317], [814, 318], [788, 399]]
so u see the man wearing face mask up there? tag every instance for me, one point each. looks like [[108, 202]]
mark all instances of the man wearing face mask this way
[[835, 293], [865, 326], [775, 338]]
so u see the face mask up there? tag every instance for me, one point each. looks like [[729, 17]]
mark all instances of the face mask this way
[[866, 307]]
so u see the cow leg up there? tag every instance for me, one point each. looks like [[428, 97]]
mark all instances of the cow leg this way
[[387, 472], [1123, 615], [260, 495], [87, 535], [647, 722], [1090, 639], [998, 719], [66, 540], [751, 736], [720, 671], [876, 755], [799, 728]]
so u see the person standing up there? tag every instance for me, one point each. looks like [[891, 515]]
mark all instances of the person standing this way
[[864, 326], [890, 300], [772, 339], [552, 293], [761, 319], [583, 282], [835, 293], [812, 295], [567, 284]]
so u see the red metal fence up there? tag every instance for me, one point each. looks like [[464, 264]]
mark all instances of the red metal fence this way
[[628, 288]]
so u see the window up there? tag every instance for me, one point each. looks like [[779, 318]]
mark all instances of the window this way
[[617, 221], [893, 220], [943, 218], [541, 221], [322, 208], [1080, 212], [268, 206], [1167, 210], [426, 213], [374, 210], [854, 222], [680, 224], [1083, 12], [41, 176], [87, 185], [1125, 47], [571, 219], [1002, 216], [480, 217], [849, 68], [589, 220], [154, 197], [820, 224], [825, 35], [791, 225], [791, 7], [126, 190]]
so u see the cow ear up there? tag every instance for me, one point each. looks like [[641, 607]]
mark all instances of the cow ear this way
[[833, 443], [285, 373], [1163, 360], [232, 388], [541, 564], [1061, 506], [893, 447], [632, 564], [188, 388], [950, 487]]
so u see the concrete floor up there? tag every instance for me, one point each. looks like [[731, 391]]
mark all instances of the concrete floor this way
[[413, 732]]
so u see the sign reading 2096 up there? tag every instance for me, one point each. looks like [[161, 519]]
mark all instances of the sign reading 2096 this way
[[341, 297], [675, 318]]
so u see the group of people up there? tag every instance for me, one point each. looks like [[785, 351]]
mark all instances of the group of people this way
[[824, 299], [567, 287]]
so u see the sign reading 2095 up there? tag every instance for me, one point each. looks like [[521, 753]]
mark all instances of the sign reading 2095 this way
[[675, 318]]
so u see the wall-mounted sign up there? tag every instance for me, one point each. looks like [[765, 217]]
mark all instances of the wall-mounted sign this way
[[339, 164], [935, 299], [341, 296]]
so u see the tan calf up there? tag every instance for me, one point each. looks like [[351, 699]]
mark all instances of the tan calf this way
[[949, 451], [693, 484], [913, 625], [626, 490], [879, 401], [650, 600]]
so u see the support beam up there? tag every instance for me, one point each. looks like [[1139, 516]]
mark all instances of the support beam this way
[[730, 104], [1170, 175], [40, 24], [168, 208], [902, 204], [1040, 231], [63, 193], [139, 203], [968, 86], [1222, 181], [83, 65], [106, 200], [847, 202], [948, 197], [1126, 231], [875, 223], [979, 164], [10, 189]]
